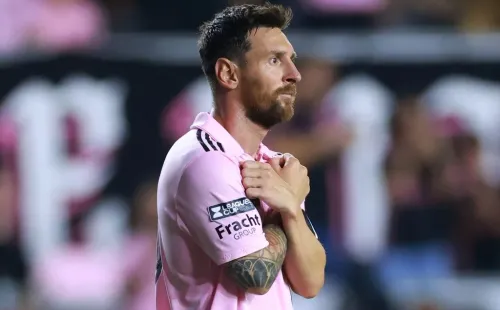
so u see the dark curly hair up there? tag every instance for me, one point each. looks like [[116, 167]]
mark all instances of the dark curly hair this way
[[226, 35]]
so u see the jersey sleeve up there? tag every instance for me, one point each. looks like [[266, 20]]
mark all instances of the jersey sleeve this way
[[212, 205]]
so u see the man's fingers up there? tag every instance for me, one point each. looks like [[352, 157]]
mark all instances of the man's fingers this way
[[255, 165], [289, 159], [252, 182], [251, 172], [283, 160], [275, 163], [253, 192]]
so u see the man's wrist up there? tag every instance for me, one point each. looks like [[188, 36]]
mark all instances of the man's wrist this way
[[291, 225], [291, 215]]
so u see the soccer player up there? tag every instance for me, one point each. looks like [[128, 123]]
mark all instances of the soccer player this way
[[233, 232]]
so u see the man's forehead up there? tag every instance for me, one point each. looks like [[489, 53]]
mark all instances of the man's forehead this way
[[270, 39]]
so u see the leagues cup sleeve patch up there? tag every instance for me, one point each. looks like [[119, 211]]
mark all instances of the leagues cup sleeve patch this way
[[227, 209], [309, 224]]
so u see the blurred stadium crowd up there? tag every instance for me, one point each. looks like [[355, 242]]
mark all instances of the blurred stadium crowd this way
[[67, 24], [405, 178]]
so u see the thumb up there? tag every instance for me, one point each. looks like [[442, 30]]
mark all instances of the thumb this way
[[276, 163], [285, 158]]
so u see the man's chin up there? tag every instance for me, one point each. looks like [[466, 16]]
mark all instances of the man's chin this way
[[288, 113], [281, 112]]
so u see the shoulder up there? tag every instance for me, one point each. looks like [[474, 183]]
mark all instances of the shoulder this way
[[209, 177], [202, 164], [189, 156], [196, 146], [211, 163]]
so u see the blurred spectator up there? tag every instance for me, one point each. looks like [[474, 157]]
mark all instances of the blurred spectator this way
[[422, 215], [109, 277], [179, 114], [62, 25], [319, 136], [478, 242], [465, 15], [472, 105], [424, 13], [16, 17], [78, 122], [50, 25], [140, 250], [358, 201], [411, 200], [78, 277], [359, 217], [314, 135], [479, 15], [338, 132], [14, 271]]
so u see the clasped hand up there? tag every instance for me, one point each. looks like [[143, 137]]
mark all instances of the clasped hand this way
[[282, 183]]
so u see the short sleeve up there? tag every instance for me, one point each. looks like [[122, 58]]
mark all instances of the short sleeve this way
[[212, 204]]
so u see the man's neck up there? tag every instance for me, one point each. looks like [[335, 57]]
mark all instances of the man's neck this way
[[248, 134]]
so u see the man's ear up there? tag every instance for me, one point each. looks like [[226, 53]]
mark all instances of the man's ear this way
[[226, 73]]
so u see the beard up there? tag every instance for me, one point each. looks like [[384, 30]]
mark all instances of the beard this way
[[268, 110]]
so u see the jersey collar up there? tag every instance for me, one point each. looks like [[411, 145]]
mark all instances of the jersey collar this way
[[208, 124]]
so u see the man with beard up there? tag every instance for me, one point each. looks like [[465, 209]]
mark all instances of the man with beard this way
[[233, 232]]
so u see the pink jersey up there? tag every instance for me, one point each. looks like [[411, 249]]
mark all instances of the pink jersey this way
[[205, 220]]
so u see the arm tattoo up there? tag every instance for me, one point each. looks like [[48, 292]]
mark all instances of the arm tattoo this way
[[260, 269]]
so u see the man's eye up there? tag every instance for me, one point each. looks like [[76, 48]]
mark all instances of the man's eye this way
[[274, 60]]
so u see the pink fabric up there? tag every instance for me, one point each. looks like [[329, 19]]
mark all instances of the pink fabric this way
[[450, 125], [99, 277], [16, 17], [70, 24], [139, 264], [197, 237], [177, 118], [8, 137]]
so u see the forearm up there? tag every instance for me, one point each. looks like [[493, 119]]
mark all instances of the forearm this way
[[256, 272], [305, 258]]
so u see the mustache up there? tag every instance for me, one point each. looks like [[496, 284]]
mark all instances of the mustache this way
[[288, 90]]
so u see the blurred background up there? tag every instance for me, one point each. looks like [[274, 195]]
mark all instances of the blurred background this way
[[398, 120]]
